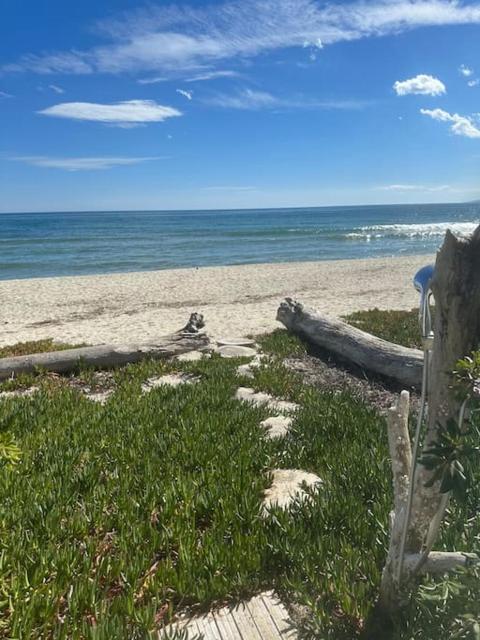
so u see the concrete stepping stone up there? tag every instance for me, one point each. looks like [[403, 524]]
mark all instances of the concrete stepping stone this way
[[100, 397], [287, 488], [235, 351], [18, 393], [260, 399], [246, 370], [191, 356], [263, 617], [235, 342], [277, 426], [168, 380]]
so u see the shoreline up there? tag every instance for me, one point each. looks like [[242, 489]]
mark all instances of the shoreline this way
[[235, 300], [179, 269]]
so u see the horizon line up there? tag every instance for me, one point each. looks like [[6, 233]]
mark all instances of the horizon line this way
[[225, 209]]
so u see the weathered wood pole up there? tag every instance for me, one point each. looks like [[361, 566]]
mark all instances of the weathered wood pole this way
[[456, 288]]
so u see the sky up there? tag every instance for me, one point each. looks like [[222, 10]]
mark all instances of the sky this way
[[237, 103]]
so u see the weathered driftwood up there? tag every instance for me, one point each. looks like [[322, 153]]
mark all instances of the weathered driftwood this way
[[394, 590], [456, 287], [101, 356], [369, 352], [439, 562], [401, 457]]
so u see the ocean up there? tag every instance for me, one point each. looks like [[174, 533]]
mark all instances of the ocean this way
[[60, 244]]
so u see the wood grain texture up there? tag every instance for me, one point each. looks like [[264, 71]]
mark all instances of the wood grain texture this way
[[261, 618], [354, 345]]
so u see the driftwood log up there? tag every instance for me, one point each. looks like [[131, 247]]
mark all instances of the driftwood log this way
[[189, 338], [368, 352]]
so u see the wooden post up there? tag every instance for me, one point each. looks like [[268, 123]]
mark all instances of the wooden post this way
[[456, 288], [401, 455]]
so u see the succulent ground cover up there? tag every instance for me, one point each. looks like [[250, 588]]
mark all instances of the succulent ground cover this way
[[400, 327], [116, 517], [35, 346]]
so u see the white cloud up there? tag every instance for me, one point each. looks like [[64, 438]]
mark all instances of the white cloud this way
[[460, 125], [422, 85], [152, 80], [81, 164], [247, 99], [252, 100], [56, 88], [123, 114], [465, 71], [187, 94], [212, 75], [5, 95], [473, 83], [414, 187], [181, 38]]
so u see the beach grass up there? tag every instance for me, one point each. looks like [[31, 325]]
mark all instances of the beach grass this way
[[118, 517], [400, 327], [35, 346]]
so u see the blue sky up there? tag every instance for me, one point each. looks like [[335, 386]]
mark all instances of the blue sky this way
[[120, 105]]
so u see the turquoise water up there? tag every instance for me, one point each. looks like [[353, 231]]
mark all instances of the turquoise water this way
[[57, 244]]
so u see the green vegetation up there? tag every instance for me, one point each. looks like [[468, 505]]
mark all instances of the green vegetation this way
[[35, 346], [114, 518], [400, 327]]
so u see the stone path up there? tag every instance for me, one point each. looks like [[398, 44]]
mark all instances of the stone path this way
[[168, 380], [276, 426], [261, 399], [100, 397], [287, 488], [20, 393], [261, 618]]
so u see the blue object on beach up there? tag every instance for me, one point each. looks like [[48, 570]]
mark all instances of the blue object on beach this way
[[423, 278], [422, 283]]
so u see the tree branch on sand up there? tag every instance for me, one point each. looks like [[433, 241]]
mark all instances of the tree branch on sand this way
[[189, 338]]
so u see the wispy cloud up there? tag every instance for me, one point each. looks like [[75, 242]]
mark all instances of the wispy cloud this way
[[56, 88], [155, 80], [247, 99], [253, 100], [81, 164], [465, 71], [414, 187], [422, 84], [459, 125], [123, 114], [175, 38], [186, 94], [213, 75], [468, 73], [5, 95]]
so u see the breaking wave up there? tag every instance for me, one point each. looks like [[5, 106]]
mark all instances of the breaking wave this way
[[424, 230]]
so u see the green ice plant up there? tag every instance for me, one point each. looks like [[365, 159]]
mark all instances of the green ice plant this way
[[458, 440], [452, 604], [9, 451]]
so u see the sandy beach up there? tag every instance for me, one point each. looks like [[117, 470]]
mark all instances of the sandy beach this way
[[236, 300]]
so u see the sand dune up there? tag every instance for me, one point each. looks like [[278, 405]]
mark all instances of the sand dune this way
[[235, 300]]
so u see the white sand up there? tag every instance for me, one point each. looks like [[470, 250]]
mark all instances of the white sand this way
[[236, 301]]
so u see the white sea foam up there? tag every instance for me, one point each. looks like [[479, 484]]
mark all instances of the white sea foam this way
[[424, 230]]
